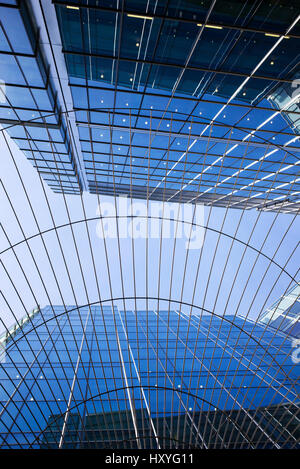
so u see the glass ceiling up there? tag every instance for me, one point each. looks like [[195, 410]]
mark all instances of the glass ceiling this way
[[175, 109], [168, 104]]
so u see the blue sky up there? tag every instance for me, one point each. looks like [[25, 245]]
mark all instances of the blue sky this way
[[233, 278], [216, 290]]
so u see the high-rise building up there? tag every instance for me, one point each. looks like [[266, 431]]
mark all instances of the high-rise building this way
[[29, 107], [180, 101], [100, 377], [284, 314]]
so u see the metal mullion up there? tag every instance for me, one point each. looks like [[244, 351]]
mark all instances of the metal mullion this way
[[206, 182], [182, 289], [262, 160], [37, 336], [91, 365], [171, 18], [14, 343], [178, 393], [294, 401], [81, 364], [32, 95], [58, 239], [88, 116], [249, 336], [203, 443], [250, 76], [234, 40], [122, 284], [69, 127], [211, 128], [208, 280], [98, 288], [230, 328], [140, 45], [248, 369], [195, 99], [183, 121], [246, 19], [116, 329], [135, 298], [277, 424], [229, 157], [172, 271], [146, 272], [33, 211], [135, 303], [277, 330], [208, 369], [205, 156], [171, 278], [71, 395], [78, 257], [18, 85], [23, 380], [156, 350], [117, 226], [162, 221], [296, 442], [110, 287], [282, 385], [142, 389], [176, 65], [149, 71], [104, 325], [260, 250], [131, 403], [17, 219], [211, 422]]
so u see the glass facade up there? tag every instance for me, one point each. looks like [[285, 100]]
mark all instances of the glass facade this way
[[29, 110], [176, 71], [284, 314], [179, 101], [101, 377], [176, 101]]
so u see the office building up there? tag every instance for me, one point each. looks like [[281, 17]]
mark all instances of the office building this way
[[101, 377], [284, 314], [191, 102]]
